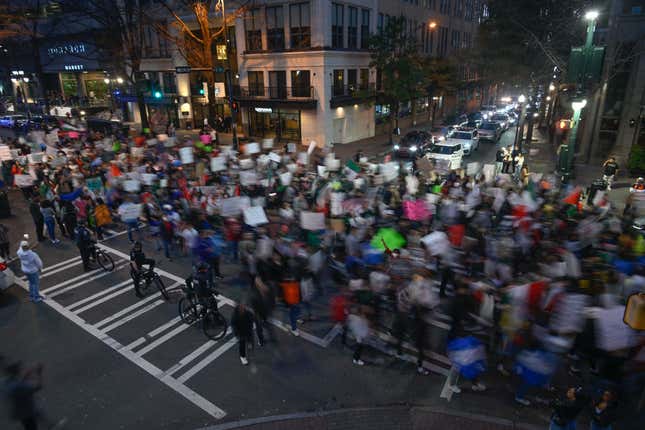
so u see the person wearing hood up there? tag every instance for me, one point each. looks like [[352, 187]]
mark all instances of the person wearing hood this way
[[31, 265]]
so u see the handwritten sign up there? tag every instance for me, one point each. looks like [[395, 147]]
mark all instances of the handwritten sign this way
[[94, 184], [252, 148], [186, 155], [129, 211], [267, 143], [255, 216], [218, 164], [248, 178], [312, 220], [274, 157], [234, 206], [291, 147], [285, 178], [472, 168], [23, 180]]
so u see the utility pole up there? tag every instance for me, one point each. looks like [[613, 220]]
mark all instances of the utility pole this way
[[229, 84]]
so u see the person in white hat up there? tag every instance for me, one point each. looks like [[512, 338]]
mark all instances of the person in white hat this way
[[31, 266]]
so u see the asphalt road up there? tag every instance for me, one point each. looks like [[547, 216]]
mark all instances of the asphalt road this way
[[115, 361]]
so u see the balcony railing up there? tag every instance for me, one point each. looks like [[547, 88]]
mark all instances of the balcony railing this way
[[253, 92], [350, 94]]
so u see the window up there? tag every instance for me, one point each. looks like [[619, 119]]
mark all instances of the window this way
[[352, 82], [300, 83], [300, 27], [365, 79], [339, 82], [256, 83], [154, 44], [352, 27], [337, 12], [379, 23], [275, 28], [278, 85], [253, 26], [169, 82], [365, 28]]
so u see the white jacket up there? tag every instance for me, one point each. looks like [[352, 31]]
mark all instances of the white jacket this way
[[29, 261]]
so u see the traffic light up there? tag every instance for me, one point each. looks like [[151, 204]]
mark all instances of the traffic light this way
[[157, 94], [234, 107], [564, 124]]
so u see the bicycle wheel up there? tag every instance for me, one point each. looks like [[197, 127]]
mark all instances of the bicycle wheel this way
[[105, 260], [187, 310], [214, 325], [161, 287]]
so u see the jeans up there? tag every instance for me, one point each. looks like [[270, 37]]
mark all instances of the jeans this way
[[34, 282], [132, 225], [50, 223], [569, 426], [167, 246], [294, 311]]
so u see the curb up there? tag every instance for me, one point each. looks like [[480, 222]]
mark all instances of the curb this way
[[411, 410]]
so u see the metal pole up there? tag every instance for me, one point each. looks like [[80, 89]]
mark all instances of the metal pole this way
[[227, 74]]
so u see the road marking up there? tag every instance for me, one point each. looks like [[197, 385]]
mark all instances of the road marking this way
[[390, 339], [153, 333], [331, 335], [60, 269], [62, 263], [105, 294], [446, 391], [71, 281], [207, 360], [85, 281], [148, 367], [306, 336], [190, 357], [408, 358], [166, 337], [132, 316], [126, 310]]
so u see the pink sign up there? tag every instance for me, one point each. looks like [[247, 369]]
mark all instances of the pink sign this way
[[416, 210], [205, 138], [73, 134]]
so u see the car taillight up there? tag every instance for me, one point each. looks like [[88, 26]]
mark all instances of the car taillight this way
[[3, 267]]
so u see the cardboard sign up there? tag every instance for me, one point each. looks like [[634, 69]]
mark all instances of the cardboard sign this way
[[472, 168], [23, 180], [148, 178], [186, 155], [218, 164], [132, 186], [252, 148], [285, 178], [312, 220], [5, 153], [489, 172], [338, 225], [255, 216], [303, 158], [129, 212], [234, 206], [94, 184], [336, 204], [291, 147], [267, 143], [248, 178], [274, 157]]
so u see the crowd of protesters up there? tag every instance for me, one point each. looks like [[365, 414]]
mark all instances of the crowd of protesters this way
[[528, 275]]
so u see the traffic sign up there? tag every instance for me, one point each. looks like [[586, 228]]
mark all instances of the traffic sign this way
[[182, 69]]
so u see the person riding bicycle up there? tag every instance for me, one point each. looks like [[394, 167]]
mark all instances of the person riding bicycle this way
[[200, 281], [84, 242], [138, 259]]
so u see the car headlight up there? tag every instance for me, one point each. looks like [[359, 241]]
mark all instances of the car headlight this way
[[413, 148], [441, 138], [511, 121], [396, 147]]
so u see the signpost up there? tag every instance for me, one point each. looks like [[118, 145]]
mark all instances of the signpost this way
[[182, 69]]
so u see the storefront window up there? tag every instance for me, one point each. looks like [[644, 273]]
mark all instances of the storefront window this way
[[282, 125], [300, 84], [69, 84]]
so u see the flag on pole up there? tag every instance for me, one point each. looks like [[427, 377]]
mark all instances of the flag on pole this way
[[468, 356]]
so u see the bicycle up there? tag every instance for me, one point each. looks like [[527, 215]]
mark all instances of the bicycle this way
[[102, 258], [147, 278], [191, 309]]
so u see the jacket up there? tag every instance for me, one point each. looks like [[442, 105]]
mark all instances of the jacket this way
[[604, 417], [29, 261], [102, 215]]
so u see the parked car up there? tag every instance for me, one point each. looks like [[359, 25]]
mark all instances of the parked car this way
[[490, 131], [11, 121], [38, 122], [439, 133], [468, 139], [7, 278], [502, 119], [413, 144], [451, 151]]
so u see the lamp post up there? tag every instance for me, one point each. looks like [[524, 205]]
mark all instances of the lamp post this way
[[520, 123], [227, 74]]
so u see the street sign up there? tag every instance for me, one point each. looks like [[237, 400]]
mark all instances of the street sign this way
[[182, 69], [219, 69]]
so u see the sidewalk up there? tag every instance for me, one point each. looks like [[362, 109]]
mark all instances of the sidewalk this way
[[386, 418]]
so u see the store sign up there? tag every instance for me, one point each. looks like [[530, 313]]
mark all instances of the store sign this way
[[263, 110], [182, 69], [73, 67], [69, 49]]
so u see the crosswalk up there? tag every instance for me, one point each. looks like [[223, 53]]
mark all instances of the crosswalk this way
[[147, 331]]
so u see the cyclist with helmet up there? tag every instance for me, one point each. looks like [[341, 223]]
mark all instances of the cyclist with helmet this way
[[138, 259], [84, 242], [201, 282]]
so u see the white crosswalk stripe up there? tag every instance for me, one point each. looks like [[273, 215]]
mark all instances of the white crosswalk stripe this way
[[71, 281], [104, 295], [162, 339], [132, 316], [207, 360], [190, 357], [85, 281], [125, 311]]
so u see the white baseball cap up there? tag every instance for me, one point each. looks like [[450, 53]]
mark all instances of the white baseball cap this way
[[24, 244]]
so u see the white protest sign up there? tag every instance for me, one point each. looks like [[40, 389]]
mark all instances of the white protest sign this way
[[336, 204], [472, 168], [5, 153], [291, 147], [255, 216], [321, 170], [274, 157], [267, 143], [234, 206], [15, 153], [218, 164], [132, 186], [489, 172], [51, 138], [568, 314], [389, 171], [50, 150], [246, 163], [285, 178], [248, 178], [292, 167], [252, 148], [163, 183], [148, 178], [23, 180], [136, 152], [436, 242], [612, 333], [186, 155], [130, 211], [332, 164], [303, 158], [312, 146], [312, 220], [170, 142]]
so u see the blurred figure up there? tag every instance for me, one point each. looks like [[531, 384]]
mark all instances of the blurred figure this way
[[242, 325], [566, 410]]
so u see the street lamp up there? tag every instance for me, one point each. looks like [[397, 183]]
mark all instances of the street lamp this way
[[107, 81], [592, 15], [432, 25], [551, 87], [520, 123], [119, 80], [521, 99]]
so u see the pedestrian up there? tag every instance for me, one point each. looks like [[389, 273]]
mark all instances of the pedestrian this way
[[359, 327], [604, 412], [31, 265], [291, 296], [4, 242], [102, 217], [242, 325], [37, 217], [566, 410], [49, 217], [609, 171], [69, 218], [129, 213], [262, 301], [508, 159], [84, 243], [499, 160], [167, 235]]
